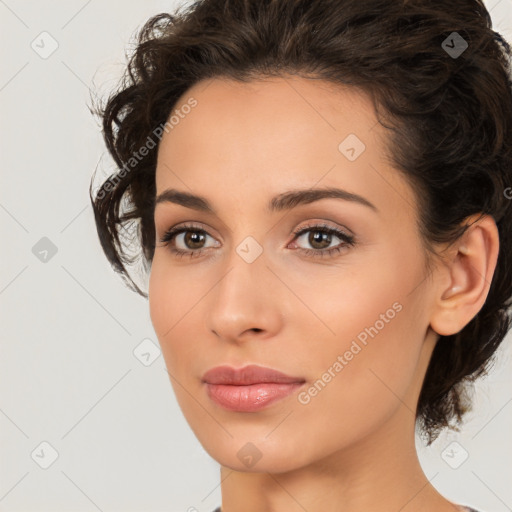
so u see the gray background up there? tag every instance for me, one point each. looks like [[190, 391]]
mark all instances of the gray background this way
[[70, 378]]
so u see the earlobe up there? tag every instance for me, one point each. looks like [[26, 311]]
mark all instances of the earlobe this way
[[467, 277]]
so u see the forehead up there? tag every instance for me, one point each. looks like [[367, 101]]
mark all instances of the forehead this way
[[294, 108], [266, 136]]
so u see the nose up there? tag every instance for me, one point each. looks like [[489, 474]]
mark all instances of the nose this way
[[245, 302]]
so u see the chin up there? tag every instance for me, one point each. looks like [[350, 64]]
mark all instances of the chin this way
[[261, 455]]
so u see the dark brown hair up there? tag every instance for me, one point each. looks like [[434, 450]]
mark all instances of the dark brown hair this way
[[448, 109]]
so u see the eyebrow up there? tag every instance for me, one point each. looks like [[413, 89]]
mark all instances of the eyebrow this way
[[284, 201]]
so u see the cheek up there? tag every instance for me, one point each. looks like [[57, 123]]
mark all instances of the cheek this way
[[377, 327], [357, 386], [159, 295], [172, 295], [171, 302]]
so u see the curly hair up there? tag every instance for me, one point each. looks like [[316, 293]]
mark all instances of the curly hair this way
[[448, 115]]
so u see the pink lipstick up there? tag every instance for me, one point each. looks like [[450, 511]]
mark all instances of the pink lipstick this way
[[250, 388]]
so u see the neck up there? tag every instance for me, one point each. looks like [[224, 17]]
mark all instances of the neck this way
[[381, 473]]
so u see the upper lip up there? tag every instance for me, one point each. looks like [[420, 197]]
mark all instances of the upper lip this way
[[251, 374]]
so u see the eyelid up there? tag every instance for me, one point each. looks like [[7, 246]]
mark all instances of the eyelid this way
[[346, 236], [185, 226], [323, 225]]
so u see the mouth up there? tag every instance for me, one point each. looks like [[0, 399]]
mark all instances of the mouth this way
[[250, 388]]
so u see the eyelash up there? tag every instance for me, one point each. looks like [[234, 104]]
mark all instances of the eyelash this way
[[347, 240]]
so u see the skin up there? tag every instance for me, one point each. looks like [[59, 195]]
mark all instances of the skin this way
[[352, 447]]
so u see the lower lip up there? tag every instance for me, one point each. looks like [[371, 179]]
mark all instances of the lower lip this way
[[249, 398]]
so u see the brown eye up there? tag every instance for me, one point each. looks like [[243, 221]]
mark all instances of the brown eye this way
[[187, 240], [193, 239], [320, 237]]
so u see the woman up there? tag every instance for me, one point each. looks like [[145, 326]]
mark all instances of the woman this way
[[320, 190]]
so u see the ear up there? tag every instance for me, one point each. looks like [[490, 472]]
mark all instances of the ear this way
[[465, 280]]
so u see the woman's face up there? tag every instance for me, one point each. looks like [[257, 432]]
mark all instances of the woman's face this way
[[345, 313]]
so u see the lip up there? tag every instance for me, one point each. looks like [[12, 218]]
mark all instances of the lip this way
[[251, 374], [250, 388]]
